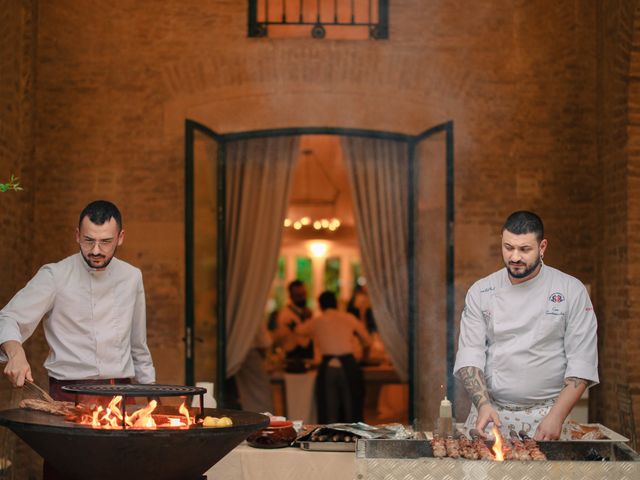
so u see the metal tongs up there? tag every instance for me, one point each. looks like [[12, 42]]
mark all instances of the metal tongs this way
[[36, 391]]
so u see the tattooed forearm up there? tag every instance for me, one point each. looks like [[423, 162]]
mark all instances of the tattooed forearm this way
[[576, 382], [473, 380]]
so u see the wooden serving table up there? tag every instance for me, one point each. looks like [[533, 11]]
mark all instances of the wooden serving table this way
[[248, 463]]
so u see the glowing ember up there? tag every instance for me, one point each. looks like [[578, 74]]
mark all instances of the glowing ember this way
[[111, 417], [497, 446]]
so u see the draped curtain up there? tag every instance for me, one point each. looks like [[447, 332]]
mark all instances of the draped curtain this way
[[259, 174], [377, 171]]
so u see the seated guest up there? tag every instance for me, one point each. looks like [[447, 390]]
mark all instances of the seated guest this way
[[339, 385], [298, 348]]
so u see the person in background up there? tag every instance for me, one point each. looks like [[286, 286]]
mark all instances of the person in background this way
[[360, 307], [528, 346], [339, 384], [298, 348], [92, 307]]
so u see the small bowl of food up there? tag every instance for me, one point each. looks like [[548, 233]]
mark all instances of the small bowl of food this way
[[278, 434]]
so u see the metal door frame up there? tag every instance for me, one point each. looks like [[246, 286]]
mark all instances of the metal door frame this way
[[411, 141]]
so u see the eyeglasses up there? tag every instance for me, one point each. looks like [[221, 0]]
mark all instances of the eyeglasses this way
[[103, 245]]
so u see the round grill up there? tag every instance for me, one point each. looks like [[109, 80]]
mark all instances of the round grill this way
[[134, 390]]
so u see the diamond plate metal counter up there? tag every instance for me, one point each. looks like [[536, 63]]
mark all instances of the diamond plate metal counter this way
[[448, 469]]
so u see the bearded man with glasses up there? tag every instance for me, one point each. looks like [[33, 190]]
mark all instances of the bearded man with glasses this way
[[92, 307]]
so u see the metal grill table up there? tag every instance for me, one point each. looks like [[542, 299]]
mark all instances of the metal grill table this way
[[413, 460]]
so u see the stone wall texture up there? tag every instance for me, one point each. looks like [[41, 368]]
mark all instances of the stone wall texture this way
[[543, 96]]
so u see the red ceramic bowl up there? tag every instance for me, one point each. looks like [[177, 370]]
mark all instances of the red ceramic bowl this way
[[276, 435]]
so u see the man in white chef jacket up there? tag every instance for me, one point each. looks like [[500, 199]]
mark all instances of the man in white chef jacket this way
[[528, 346]]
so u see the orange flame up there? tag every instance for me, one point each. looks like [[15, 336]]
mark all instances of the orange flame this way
[[111, 417], [185, 411], [497, 446]]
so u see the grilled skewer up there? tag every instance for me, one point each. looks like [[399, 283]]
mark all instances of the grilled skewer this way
[[532, 447], [438, 446], [481, 448]]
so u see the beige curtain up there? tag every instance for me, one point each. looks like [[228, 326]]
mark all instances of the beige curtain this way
[[377, 171], [259, 173]]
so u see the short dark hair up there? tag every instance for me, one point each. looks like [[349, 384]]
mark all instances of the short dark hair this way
[[295, 284], [327, 299], [522, 222], [101, 211]]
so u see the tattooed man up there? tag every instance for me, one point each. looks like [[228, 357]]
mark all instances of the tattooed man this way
[[528, 347]]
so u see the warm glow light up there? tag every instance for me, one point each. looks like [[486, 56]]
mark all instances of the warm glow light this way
[[287, 222], [317, 225], [335, 222], [305, 220], [497, 446], [318, 249], [111, 417], [325, 223], [297, 225]]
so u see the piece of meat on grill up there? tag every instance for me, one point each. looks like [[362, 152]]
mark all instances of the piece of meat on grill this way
[[532, 447], [481, 448], [438, 446], [518, 450], [453, 447], [466, 449], [55, 407]]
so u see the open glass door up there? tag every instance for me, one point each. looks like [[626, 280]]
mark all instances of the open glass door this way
[[204, 216], [431, 276]]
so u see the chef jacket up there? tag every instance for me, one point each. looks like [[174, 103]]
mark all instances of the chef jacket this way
[[528, 337], [94, 320]]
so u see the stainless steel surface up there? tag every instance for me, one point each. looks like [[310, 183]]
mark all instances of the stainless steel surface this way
[[439, 469], [413, 459]]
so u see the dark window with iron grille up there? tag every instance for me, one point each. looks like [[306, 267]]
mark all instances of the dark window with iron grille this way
[[345, 19]]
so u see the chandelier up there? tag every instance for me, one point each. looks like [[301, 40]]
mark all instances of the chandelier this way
[[331, 224]]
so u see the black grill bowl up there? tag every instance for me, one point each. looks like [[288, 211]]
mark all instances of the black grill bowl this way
[[80, 452]]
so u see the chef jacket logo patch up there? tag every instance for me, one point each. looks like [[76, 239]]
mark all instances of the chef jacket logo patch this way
[[556, 297]]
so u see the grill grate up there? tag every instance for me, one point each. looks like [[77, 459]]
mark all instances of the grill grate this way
[[134, 390]]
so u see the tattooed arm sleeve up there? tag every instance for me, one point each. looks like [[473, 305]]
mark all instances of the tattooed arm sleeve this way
[[473, 380]]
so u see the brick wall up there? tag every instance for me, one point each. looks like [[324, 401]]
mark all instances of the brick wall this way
[[18, 27], [615, 257], [632, 340]]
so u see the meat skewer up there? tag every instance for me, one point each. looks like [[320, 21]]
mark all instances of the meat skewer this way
[[481, 448], [466, 448], [453, 447], [532, 447], [438, 446], [520, 452]]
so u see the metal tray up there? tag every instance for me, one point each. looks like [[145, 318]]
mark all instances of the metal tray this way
[[327, 446]]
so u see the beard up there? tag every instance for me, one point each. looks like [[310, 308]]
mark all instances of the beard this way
[[528, 270], [89, 259]]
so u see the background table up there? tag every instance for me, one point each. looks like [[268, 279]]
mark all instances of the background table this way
[[248, 463]]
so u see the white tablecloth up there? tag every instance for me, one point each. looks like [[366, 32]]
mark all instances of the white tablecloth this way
[[248, 463], [300, 396]]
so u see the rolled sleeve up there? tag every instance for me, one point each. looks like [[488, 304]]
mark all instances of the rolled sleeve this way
[[472, 349], [580, 341]]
